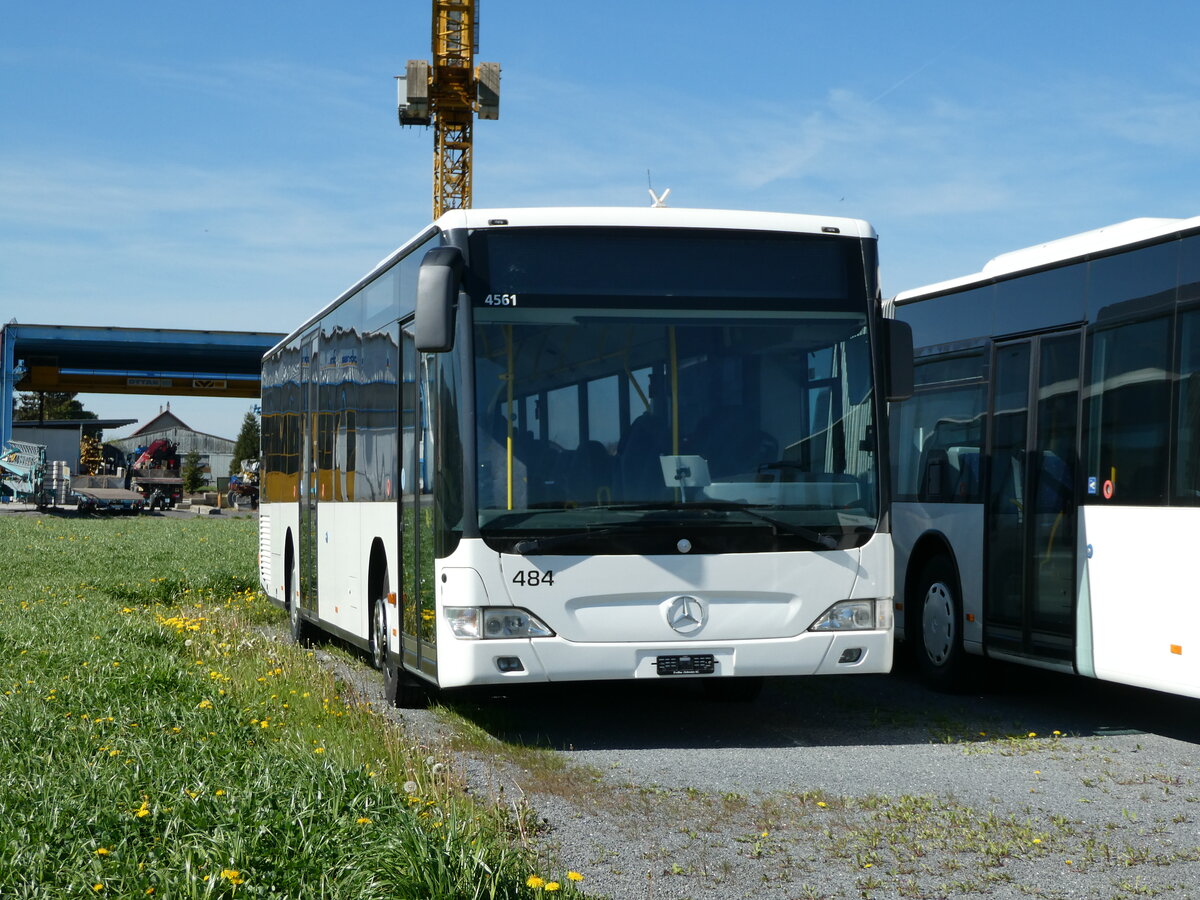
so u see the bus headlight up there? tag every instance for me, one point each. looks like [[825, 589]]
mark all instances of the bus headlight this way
[[513, 623], [855, 615], [475, 622]]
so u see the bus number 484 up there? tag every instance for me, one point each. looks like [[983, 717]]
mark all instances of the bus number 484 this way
[[534, 578]]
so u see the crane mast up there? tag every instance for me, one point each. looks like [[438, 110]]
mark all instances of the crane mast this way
[[449, 94]]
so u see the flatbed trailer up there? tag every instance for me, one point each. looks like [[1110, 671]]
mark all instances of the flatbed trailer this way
[[96, 499], [159, 491]]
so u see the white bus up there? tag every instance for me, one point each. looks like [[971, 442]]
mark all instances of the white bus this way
[[1047, 467], [566, 444]]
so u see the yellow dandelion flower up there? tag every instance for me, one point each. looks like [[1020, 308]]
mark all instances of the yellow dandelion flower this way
[[574, 876], [534, 882], [363, 820], [1033, 734], [822, 804], [319, 750], [1037, 840], [97, 886], [552, 886], [102, 851], [233, 876]]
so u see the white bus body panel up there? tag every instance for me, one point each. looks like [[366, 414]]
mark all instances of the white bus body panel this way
[[961, 526], [281, 519], [346, 534], [609, 613], [1140, 597], [339, 547]]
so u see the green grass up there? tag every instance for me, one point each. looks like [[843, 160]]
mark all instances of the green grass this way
[[157, 739]]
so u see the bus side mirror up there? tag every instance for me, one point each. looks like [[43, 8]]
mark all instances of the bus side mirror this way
[[898, 353], [437, 292]]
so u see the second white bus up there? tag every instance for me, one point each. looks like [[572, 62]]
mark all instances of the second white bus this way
[[1047, 483]]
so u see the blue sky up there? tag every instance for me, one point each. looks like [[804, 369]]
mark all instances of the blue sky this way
[[236, 165]]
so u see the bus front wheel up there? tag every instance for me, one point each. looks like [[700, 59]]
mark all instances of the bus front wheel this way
[[399, 687], [939, 651]]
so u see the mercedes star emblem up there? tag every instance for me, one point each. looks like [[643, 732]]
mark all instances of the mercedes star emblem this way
[[686, 615]]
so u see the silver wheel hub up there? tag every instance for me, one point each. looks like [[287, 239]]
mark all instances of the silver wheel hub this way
[[937, 623], [379, 643]]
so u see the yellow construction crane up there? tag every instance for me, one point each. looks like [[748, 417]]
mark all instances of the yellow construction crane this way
[[448, 95]]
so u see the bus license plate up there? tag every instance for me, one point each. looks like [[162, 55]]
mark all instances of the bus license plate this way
[[699, 664]]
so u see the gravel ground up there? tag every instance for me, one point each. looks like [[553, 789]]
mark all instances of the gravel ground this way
[[846, 787]]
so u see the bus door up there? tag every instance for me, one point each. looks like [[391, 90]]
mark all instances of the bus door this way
[[310, 382], [1032, 497], [417, 616]]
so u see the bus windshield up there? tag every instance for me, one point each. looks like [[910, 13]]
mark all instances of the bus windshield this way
[[709, 421]]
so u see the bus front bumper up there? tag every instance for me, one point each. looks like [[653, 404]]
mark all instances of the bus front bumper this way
[[472, 662]]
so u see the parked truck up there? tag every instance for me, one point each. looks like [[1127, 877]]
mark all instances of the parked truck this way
[[155, 473]]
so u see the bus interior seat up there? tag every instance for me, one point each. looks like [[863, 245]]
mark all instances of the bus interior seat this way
[[589, 472], [935, 476]]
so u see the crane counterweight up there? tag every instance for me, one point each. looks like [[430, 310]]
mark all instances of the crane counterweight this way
[[448, 95]]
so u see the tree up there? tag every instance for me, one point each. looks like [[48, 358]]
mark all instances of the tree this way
[[246, 446], [49, 405], [193, 476]]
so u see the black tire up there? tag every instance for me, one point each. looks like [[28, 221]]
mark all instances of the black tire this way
[[404, 690], [733, 690], [937, 628], [302, 630], [379, 631], [399, 687]]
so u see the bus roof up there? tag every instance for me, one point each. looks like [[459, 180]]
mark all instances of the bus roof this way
[[1073, 248], [653, 217], [607, 217]]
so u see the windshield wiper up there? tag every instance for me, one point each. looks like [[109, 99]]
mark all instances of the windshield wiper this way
[[526, 546], [828, 541]]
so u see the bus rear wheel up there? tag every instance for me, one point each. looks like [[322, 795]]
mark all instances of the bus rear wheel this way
[[302, 630], [940, 655]]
